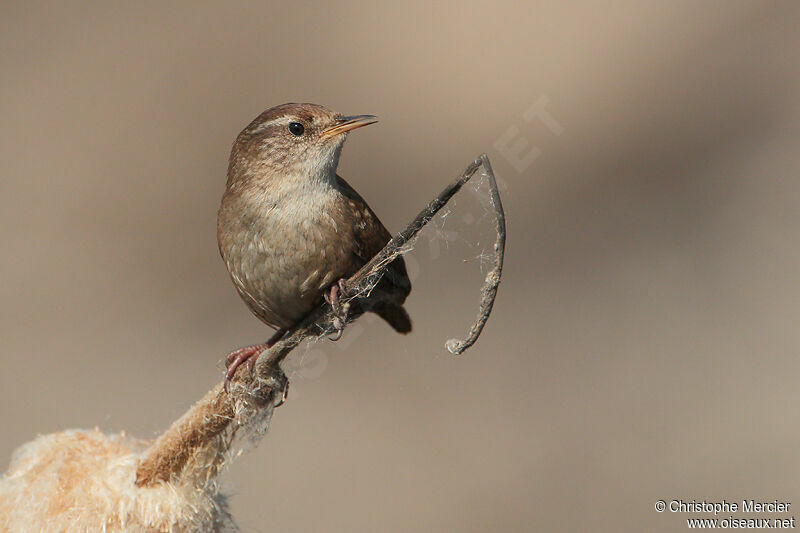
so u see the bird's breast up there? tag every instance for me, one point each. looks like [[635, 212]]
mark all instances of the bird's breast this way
[[283, 254]]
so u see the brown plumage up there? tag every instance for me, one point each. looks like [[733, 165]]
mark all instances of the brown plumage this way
[[289, 228]]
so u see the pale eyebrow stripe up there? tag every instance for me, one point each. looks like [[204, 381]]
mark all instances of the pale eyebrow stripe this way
[[274, 121]]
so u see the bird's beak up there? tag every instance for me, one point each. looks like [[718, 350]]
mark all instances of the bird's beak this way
[[345, 124]]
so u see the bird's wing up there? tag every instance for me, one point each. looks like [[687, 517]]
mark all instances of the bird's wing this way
[[371, 236]]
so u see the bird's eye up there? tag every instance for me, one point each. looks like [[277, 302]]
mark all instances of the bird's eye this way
[[295, 128]]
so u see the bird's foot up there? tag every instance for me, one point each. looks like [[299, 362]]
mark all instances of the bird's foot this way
[[249, 355], [339, 309], [274, 381], [235, 359]]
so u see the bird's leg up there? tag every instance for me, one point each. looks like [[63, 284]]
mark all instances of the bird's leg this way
[[339, 309], [247, 354], [278, 335]]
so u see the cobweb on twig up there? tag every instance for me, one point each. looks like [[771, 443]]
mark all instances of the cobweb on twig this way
[[464, 228], [466, 240]]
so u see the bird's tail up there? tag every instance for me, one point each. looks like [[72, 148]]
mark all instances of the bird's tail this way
[[395, 315]]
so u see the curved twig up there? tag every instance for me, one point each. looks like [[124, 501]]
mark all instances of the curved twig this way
[[492, 281]]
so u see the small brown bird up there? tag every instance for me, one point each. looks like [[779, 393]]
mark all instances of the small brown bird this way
[[290, 230]]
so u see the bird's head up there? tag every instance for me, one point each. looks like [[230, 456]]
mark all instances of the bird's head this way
[[292, 142]]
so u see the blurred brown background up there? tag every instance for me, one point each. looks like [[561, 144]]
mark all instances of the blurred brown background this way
[[644, 343]]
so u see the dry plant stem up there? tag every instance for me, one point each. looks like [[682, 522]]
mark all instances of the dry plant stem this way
[[205, 420], [489, 289], [196, 432]]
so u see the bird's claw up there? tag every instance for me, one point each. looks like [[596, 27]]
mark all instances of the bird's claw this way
[[234, 360], [284, 395], [339, 309]]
